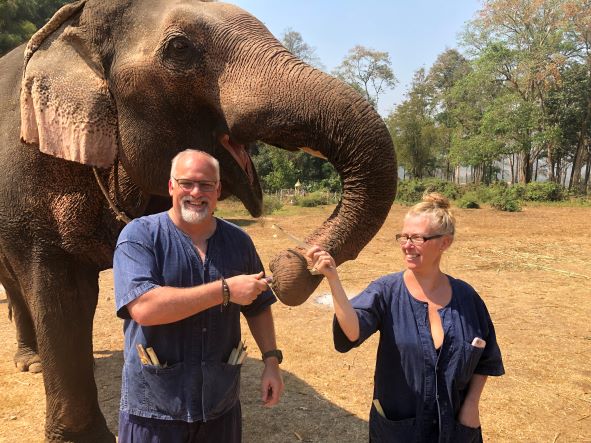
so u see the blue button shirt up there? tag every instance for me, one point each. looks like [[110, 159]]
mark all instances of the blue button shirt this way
[[196, 384], [421, 389]]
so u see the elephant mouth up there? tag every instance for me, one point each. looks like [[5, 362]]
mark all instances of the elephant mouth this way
[[240, 178], [238, 152]]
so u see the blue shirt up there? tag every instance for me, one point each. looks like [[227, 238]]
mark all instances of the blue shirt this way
[[420, 388], [197, 384]]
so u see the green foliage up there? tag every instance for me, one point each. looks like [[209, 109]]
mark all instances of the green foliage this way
[[468, 201], [313, 199], [544, 191], [368, 71], [447, 188], [271, 204], [19, 19], [331, 184], [517, 191], [276, 168], [412, 191], [538, 191], [505, 202], [484, 193], [280, 169], [580, 201], [530, 192], [414, 131]]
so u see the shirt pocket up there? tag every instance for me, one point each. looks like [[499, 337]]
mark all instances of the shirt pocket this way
[[382, 430], [234, 271], [164, 393], [221, 388], [468, 358]]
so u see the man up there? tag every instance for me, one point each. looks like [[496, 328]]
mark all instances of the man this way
[[182, 277]]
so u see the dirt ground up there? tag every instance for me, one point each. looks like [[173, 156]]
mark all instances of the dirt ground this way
[[532, 268]]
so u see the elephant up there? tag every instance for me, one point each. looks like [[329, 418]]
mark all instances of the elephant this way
[[94, 108]]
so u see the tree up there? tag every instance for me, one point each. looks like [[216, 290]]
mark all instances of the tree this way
[[275, 167], [449, 68], [368, 71], [19, 19], [510, 123], [294, 43], [468, 101], [280, 169], [521, 44], [568, 109], [577, 15], [413, 129]]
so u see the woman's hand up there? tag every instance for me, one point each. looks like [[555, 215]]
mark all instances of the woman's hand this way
[[323, 262], [469, 414]]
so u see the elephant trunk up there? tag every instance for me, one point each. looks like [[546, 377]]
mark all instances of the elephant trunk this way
[[293, 105]]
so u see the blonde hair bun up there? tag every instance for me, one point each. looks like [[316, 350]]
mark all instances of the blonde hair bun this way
[[437, 200], [435, 206]]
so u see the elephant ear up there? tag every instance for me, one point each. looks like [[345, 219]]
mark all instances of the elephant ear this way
[[66, 105]]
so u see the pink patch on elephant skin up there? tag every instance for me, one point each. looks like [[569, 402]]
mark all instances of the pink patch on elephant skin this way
[[66, 106]]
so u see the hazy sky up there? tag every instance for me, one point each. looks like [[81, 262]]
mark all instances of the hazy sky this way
[[413, 32]]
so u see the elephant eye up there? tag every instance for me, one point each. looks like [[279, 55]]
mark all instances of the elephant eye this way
[[179, 44], [179, 49]]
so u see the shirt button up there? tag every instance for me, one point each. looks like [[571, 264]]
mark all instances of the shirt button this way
[[204, 329], [434, 421], [202, 363]]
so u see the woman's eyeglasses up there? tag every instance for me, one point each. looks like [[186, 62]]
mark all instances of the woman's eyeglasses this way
[[415, 239]]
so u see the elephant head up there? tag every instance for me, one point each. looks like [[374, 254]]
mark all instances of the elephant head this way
[[140, 80]]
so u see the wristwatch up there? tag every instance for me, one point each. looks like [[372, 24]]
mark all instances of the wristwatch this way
[[274, 353]]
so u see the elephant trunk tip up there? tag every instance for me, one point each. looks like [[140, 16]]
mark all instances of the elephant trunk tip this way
[[292, 281]]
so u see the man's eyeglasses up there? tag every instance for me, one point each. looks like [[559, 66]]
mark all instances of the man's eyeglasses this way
[[189, 185], [415, 239]]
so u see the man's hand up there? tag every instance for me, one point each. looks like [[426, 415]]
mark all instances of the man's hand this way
[[244, 289], [271, 383], [469, 414]]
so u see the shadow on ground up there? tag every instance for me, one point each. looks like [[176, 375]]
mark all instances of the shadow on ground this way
[[242, 222], [302, 415]]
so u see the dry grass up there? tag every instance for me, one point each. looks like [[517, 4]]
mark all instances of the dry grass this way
[[532, 268]]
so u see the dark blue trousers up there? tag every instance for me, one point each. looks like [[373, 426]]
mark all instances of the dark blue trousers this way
[[227, 429]]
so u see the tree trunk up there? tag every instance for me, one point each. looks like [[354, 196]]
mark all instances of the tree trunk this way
[[578, 161], [526, 167], [585, 185], [551, 164]]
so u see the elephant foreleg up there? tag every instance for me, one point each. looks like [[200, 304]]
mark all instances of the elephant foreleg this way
[[66, 293], [26, 357]]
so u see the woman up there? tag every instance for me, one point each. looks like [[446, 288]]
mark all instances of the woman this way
[[437, 341]]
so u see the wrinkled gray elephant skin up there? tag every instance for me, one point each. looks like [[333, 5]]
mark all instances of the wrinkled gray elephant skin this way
[[122, 86]]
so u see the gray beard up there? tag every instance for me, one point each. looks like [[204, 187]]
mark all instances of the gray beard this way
[[194, 217]]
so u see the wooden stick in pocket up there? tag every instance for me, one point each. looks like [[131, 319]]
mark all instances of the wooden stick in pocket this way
[[141, 352], [153, 356], [378, 406]]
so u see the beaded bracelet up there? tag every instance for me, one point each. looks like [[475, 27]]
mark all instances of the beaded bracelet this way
[[225, 294]]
